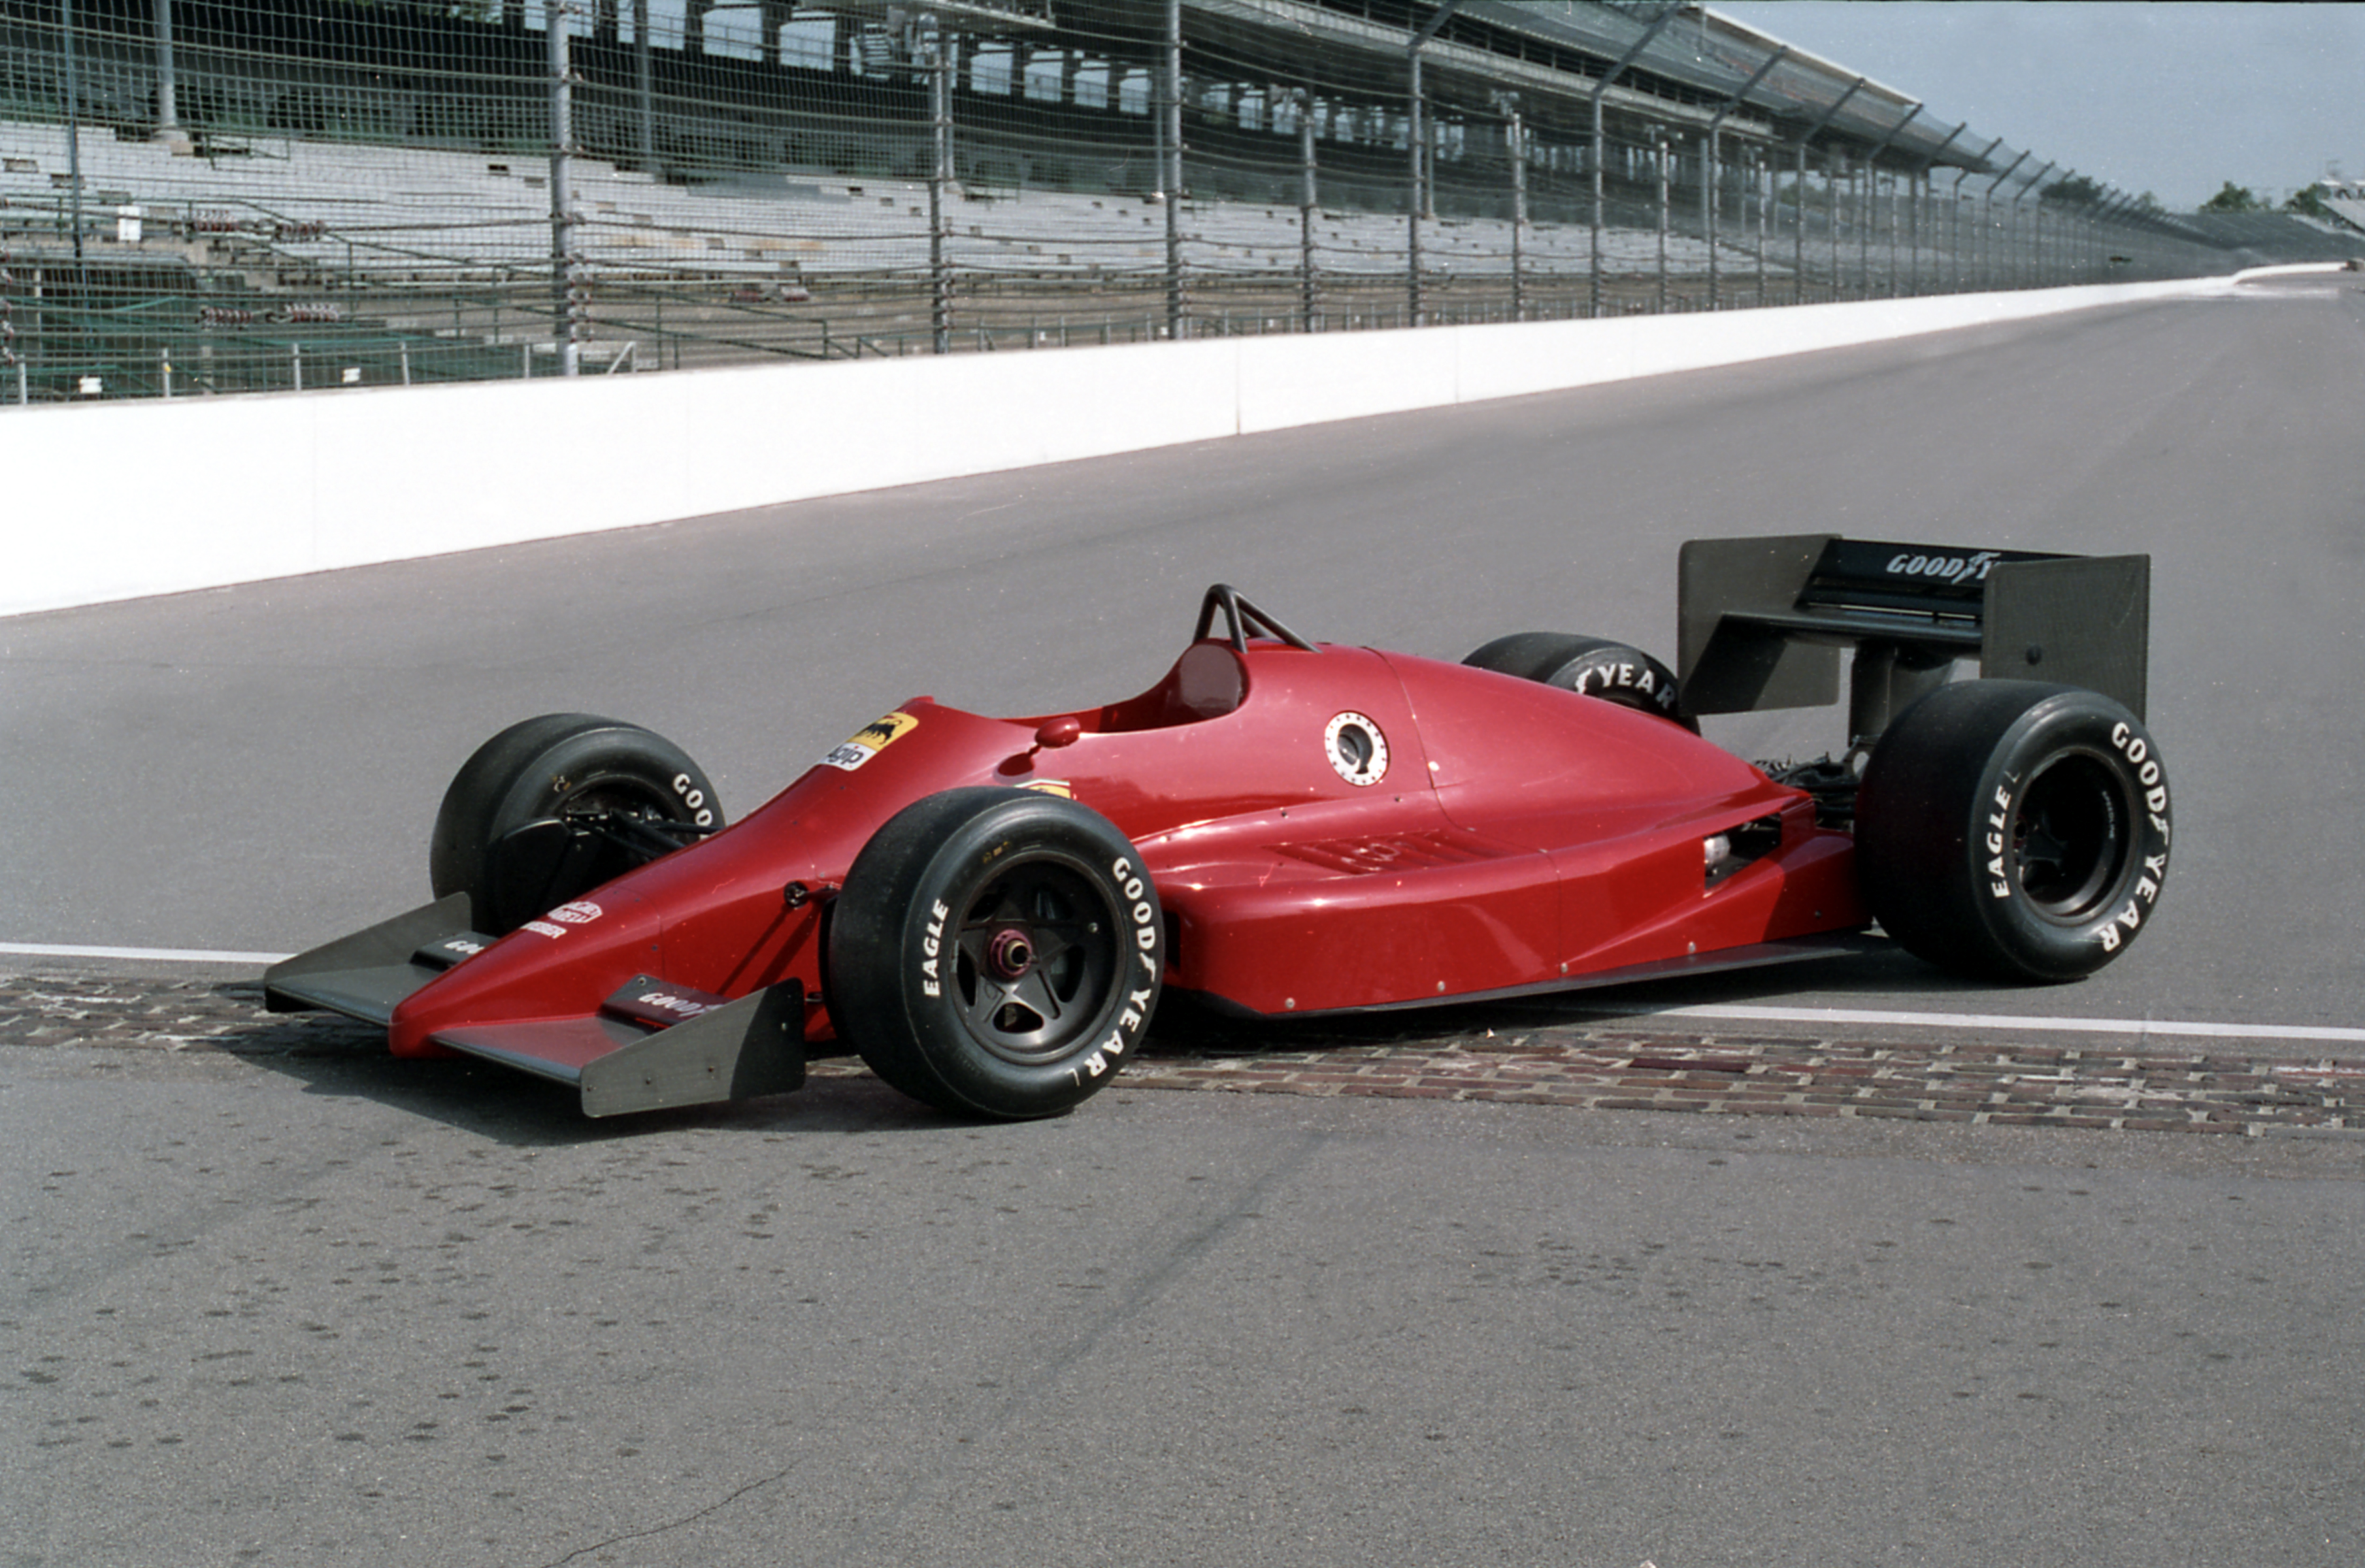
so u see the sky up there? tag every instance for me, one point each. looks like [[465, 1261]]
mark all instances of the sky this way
[[2172, 98]]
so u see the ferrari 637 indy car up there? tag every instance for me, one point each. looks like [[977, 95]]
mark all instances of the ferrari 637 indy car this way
[[988, 910]]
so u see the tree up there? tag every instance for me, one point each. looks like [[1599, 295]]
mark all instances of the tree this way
[[2306, 199], [2076, 190], [2233, 198]]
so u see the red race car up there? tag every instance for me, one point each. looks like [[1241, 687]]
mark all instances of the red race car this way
[[988, 910]]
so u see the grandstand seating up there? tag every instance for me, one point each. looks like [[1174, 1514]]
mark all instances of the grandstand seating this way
[[384, 215]]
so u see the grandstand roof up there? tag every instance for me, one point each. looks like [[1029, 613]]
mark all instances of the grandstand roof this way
[[1691, 66]]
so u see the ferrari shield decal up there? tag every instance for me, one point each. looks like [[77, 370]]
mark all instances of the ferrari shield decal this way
[[872, 739], [1059, 787], [1359, 752]]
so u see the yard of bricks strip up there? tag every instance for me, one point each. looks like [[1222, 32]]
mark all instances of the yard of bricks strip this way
[[2096, 1084]]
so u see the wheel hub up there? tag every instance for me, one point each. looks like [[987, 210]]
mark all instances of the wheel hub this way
[[1009, 953]]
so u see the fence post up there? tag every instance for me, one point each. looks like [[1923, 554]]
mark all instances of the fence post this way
[[1707, 208], [565, 316], [168, 119], [1988, 201], [1170, 117], [1713, 158], [1865, 190], [1417, 145], [938, 61], [1415, 198], [8, 360], [1761, 188], [644, 88], [73, 131], [1663, 224], [1601, 88], [1913, 232], [1799, 226], [1308, 198], [1924, 196], [1837, 169], [1592, 250], [1514, 137]]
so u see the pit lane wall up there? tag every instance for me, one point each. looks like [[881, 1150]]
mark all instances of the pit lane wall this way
[[120, 500]]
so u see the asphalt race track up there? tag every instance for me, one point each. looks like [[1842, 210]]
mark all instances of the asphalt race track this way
[[1434, 1291]]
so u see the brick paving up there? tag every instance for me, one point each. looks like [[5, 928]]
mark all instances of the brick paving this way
[[1581, 1066]]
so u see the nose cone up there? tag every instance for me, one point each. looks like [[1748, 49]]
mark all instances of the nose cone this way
[[559, 966]]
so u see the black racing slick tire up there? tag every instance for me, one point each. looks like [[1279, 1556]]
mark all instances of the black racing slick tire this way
[[2014, 830], [996, 952], [552, 807], [1595, 666]]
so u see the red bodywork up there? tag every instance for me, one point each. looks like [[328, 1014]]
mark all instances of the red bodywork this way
[[1518, 836]]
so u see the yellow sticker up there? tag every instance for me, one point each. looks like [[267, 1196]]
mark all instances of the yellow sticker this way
[[1059, 787], [871, 739]]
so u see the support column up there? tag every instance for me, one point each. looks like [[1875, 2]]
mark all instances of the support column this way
[[168, 116], [1761, 188], [1416, 195], [644, 87], [1171, 117], [1662, 150], [937, 61], [1515, 139], [570, 300], [1708, 209], [1799, 227], [1308, 209]]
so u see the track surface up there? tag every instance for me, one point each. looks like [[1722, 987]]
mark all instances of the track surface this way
[[290, 1302]]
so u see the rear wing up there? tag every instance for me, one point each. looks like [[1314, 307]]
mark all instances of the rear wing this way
[[1761, 622]]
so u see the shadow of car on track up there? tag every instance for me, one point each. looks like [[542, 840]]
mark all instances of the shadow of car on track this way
[[1881, 972], [341, 1058]]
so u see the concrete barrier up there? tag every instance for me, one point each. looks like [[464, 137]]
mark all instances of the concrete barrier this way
[[117, 500]]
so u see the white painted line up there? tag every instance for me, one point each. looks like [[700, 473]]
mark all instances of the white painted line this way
[[160, 955], [2145, 1026]]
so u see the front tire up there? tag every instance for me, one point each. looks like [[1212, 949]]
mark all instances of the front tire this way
[[996, 952], [552, 807], [2013, 830]]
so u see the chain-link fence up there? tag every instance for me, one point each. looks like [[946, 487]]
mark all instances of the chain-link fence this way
[[263, 194]]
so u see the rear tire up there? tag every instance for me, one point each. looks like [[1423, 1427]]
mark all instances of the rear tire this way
[[1593, 666], [2014, 830], [996, 952], [563, 775]]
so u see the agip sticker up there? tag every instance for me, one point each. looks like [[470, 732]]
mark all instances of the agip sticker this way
[[872, 739]]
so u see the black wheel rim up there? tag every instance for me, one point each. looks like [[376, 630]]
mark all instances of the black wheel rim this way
[[2070, 836], [1034, 954]]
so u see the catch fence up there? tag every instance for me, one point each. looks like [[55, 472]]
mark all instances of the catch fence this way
[[259, 193]]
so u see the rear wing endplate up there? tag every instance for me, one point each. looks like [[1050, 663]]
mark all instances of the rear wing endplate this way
[[1761, 622]]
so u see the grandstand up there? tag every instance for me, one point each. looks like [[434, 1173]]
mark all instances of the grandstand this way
[[195, 196]]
